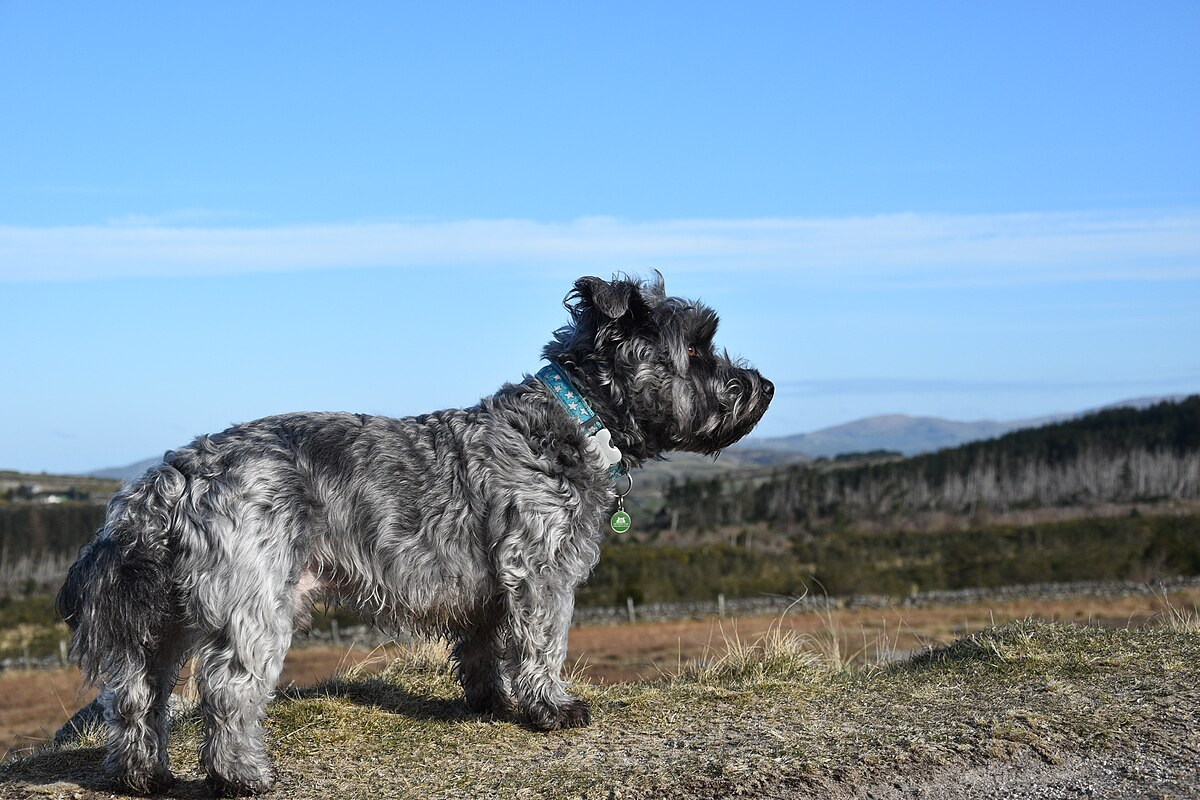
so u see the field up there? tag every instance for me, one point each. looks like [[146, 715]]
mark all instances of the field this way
[[36, 703]]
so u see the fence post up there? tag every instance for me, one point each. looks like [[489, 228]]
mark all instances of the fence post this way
[[632, 613], [62, 651], [333, 630], [721, 605]]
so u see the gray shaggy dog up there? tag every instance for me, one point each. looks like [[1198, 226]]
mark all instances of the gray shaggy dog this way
[[475, 523]]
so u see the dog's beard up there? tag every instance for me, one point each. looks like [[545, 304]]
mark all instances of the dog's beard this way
[[716, 412]]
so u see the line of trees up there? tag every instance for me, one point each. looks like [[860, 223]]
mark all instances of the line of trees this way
[[29, 529], [1118, 456]]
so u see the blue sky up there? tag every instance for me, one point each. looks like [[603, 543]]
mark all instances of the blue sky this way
[[213, 212]]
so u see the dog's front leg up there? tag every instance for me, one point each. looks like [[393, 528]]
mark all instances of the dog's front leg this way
[[540, 616], [480, 664]]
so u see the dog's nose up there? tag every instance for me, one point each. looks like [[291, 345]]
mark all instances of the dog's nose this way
[[768, 388]]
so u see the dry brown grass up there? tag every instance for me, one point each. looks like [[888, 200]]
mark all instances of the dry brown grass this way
[[647, 651], [1185, 619]]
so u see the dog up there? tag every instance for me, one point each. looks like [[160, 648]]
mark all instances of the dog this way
[[476, 524]]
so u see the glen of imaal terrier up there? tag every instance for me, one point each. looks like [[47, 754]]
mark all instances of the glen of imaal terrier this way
[[473, 523]]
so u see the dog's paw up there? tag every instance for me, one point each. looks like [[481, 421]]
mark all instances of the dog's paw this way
[[148, 783], [574, 714], [495, 703], [240, 785]]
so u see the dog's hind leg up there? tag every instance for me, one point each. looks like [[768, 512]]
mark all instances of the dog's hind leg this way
[[236, 675], [479, 656], [238, 666], [136, 700]]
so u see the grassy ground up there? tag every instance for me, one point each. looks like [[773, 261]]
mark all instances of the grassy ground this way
[[34, 703], [779, 718]]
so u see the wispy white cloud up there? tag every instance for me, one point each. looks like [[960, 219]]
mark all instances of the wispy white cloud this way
[[957, 249], [892, 386]]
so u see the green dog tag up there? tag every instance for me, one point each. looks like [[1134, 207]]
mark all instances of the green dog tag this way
[[620, 521]]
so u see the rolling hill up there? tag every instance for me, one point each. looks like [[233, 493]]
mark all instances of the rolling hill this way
[[915, 435]]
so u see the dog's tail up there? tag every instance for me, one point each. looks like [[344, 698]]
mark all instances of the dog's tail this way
[[118, 595]]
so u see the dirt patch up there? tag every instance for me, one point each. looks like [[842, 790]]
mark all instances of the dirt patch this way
[[1140, 772]]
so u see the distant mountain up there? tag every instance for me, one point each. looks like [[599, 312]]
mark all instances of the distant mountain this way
[[915, 435], [127, 472], [908, 435]]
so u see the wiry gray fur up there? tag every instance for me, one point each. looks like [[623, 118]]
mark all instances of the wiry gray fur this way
[[475, 523]]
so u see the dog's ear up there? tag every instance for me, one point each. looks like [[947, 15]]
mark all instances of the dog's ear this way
[[610, 299], [614, 299]]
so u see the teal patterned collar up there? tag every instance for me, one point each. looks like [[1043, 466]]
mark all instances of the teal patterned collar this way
[[574, 403]]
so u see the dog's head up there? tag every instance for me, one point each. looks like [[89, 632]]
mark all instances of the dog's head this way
[[648, 362]]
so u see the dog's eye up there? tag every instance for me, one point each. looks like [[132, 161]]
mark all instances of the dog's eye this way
[[693, 351]]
